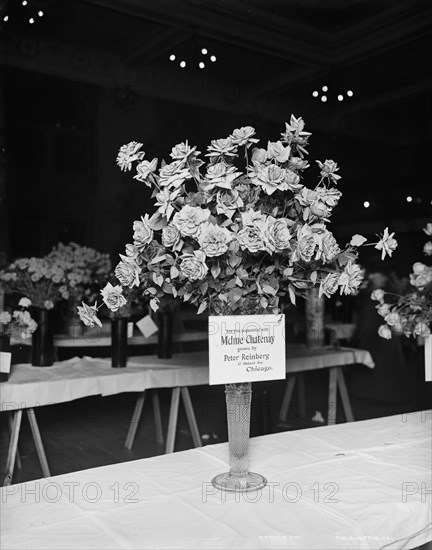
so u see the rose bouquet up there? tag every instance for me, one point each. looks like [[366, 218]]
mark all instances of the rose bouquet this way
[[409, 314], [237, 237]]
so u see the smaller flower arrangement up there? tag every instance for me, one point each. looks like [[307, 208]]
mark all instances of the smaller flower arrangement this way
[[18, 324], [118, 300], [409, 314], [42, 280]]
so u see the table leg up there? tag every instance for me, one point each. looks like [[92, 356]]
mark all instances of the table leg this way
[[287, 397], [332, 395], [18, 458], [301, 395], [13, 445], [157, 416], [38, 442], [346, 403], [135, 421], [172, 423], [193, 425]]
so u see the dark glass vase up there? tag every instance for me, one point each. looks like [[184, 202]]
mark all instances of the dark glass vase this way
[[4, 346], [165, 334], [119, 329], [43, 338]]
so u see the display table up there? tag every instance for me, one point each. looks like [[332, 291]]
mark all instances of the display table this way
[[31, 387], [349, 486]]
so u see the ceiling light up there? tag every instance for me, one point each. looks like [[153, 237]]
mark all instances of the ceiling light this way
[[40, 13], [6, 18], [366, 204], [172, 57], [24, 2], [213, 58], [350, 93], [201, 65], [204, 51], [31, 20], [182, 64], [409, 199], [324, 88], [315, 93], [340, 97], [324, 98]]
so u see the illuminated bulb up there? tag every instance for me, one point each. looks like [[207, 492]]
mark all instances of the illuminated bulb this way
[[213, 58], [409, 199], [350, 93], [366, 204], [324, 88], [204, 51], [31, 20], [201, 65], [172, 57], [315, 93], [182, 64], [24, 2], [6, 18], [40, 13], [340, 97], [324, 98]]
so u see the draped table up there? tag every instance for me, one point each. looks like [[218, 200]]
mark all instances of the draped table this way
[[362, 485], [31, 387]]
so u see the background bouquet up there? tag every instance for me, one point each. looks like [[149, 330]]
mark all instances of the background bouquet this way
[[18, 324], [411, 313], [241, 231], [88, 269], [42, 280]]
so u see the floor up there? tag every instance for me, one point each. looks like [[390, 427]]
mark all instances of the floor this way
[[91, 432]]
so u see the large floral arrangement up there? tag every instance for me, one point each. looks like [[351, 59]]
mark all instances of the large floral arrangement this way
[[239, 238], [42, 280], [409, 314], [18, 324]]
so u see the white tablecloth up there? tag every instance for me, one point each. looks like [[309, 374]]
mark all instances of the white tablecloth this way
[[30, 386], [357, 485]]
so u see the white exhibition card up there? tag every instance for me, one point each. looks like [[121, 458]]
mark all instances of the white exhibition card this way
[[147, 326], [246, 348], [5, 361], [428, 359]]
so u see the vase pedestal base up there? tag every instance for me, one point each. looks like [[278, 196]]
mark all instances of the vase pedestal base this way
[[239, 483]]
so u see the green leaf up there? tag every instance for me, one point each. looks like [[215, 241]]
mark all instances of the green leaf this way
[[215, 270], [234, 295], [292, 295], [203, 307], [269, 289], [157, 221], [158, 259], [151, 291], [204, 287], [174, 272], [154, 304]]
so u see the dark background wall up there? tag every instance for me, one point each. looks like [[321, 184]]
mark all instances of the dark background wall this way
[[92, 75]]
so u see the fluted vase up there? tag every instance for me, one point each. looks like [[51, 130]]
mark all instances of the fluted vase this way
[[238, 398]]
